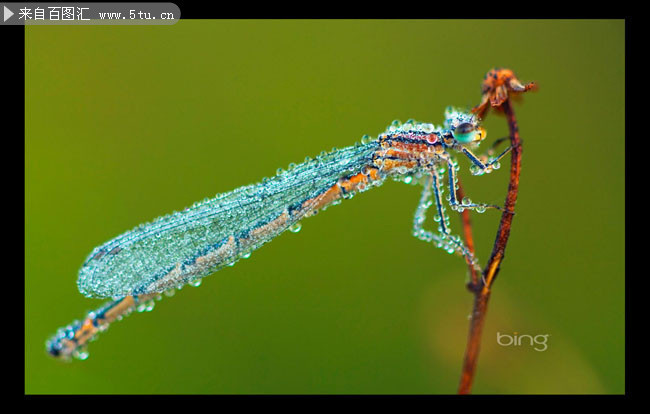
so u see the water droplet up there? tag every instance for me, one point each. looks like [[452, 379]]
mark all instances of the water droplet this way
[[80, 354], [366, 139], [196, 282], [295, 227]]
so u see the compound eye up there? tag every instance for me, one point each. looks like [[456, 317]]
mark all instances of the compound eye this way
[[465, 132]]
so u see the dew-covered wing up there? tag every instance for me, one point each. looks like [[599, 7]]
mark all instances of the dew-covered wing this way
[[187, 245]]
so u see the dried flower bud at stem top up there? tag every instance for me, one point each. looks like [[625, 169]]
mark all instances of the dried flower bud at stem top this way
[[497, 85]]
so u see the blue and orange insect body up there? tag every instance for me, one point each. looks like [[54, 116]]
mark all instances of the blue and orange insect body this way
[[159, 257]]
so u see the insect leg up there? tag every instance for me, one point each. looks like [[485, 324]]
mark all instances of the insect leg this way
[[495, 144], [420, 215], [444, 239], [478, 167], [465, 203]]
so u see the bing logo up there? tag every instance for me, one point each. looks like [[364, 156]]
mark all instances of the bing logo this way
[[537, 342]]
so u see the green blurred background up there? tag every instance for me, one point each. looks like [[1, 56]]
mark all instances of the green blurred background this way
[[127, 123]]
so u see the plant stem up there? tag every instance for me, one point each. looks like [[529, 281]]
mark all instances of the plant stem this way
[[467, 232], [481, 288]]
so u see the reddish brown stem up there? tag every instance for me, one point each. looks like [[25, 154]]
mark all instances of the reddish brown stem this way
[[467, 233], [481, 288]]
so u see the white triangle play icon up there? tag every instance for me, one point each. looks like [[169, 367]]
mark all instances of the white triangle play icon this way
[[8, 13]]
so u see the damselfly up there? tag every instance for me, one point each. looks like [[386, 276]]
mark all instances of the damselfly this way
[[158, 257]]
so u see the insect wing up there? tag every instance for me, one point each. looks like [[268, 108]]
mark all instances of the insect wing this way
[[187, 245]]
